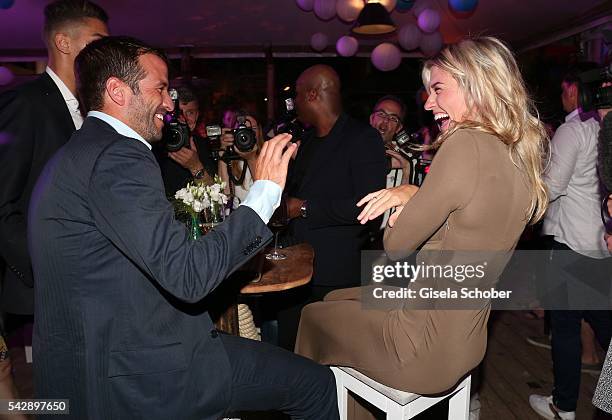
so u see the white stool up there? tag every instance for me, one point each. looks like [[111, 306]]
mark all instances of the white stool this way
[[398, 405]]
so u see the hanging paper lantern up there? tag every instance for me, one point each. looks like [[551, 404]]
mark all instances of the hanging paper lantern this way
[[305, 5], [404, 5], [409, 36], [420, 5], [347, 46], [463, 6], [348, 10], [429, 20], [431, 43], [318, 41], [386, 57], [6, 76], [325, 9], [6, 4], [388, 4]]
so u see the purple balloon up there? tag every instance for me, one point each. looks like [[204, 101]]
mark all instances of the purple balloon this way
[[409, 36], [325, 9], [6, 76], [347, 46], [318, 41], [305, 5], [431, 43], [386, 57], [429, 20], [462, 6]]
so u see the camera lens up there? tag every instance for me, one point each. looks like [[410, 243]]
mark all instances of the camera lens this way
[[244, 139]]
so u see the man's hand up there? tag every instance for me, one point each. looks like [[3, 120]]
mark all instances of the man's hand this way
[[187, 157], [397, 160], [274, 159], [293, 207]]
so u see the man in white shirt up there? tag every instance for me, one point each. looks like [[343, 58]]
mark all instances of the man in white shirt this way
[[574, 222]]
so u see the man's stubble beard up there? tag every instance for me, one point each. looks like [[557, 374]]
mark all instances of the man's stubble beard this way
[[142, 122]]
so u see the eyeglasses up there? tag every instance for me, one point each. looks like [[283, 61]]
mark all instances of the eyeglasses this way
[[386, 117]]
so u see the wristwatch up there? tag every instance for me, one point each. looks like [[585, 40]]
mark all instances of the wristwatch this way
[[304, 209], [199, 174]]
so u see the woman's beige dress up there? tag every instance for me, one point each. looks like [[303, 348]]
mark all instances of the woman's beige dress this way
[[474, 198]]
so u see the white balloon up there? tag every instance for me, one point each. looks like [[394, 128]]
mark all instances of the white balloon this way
[[325, 9], [409, 36], [386, 57], [6, 76], [318, 41], [431, 43], [388, 4], [305, 5], [347, 46], [429, 20], [348, 10]]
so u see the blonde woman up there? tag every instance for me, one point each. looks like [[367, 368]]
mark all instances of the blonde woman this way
[[484, 185]]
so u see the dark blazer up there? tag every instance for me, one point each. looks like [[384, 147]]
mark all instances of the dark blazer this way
[[352, 164], [34, 123], [114, 271]]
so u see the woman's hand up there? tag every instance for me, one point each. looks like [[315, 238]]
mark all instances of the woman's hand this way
[[394, 216], [380, 201]]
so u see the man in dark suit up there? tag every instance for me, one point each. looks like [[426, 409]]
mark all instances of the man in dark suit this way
[[117, 328], [35, 120], [341, 162]]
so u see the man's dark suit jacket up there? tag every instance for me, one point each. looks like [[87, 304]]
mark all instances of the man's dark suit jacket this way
[[350, 164], [34, 123], [114, 271]]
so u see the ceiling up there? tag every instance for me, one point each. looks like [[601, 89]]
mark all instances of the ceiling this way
[[243, 26]]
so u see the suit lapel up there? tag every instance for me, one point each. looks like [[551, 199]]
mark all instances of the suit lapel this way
[[55, 103], [331, 151]]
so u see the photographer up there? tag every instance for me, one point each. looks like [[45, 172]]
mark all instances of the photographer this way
[[242, 176], [193, 161]]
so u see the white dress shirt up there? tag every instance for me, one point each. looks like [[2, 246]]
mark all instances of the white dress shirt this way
[[264, 196], [574, 216], [71, 102]]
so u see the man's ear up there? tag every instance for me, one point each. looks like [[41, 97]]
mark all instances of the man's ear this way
[[400, 126], [62, 42], [312, 95], [117, 91], [573, 90]]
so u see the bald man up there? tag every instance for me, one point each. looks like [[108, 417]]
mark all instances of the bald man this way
[[337, 164]]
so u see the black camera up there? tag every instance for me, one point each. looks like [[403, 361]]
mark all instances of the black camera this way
[[592, 94], [245, 138], [289, 123], [405, 142], [175, 133]]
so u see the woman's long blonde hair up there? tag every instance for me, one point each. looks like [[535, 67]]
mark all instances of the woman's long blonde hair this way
[[494, 91]]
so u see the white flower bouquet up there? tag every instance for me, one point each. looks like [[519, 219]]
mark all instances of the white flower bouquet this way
[[197, 198]]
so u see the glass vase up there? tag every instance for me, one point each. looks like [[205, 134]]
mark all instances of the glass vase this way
[[194, 226]]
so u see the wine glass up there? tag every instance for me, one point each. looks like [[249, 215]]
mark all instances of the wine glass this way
[[278, 222]]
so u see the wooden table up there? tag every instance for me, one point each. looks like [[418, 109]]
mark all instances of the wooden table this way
[[264, 276]]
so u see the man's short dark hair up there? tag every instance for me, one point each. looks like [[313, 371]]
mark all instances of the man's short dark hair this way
[[572, 74], [111, 56], [395, 99], [61, 12], [186, 94]]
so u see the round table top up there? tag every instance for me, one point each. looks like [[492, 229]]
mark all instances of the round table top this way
[[285, 274]]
